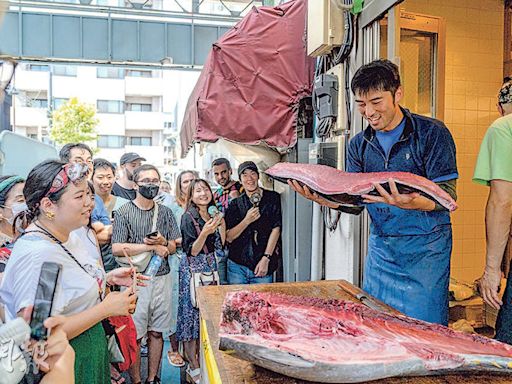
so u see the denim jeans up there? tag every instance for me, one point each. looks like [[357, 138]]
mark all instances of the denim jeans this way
[[240, 274], [222, 269]]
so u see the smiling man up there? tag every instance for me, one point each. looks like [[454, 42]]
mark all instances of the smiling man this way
[[410, 244], [253, 223], [228, 189]]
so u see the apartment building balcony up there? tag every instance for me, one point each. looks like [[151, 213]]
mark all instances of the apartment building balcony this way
[[30, 117], [149, 121], [111, 124], [144, 86]]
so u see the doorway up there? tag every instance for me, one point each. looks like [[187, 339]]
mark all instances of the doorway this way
[[419, 50]]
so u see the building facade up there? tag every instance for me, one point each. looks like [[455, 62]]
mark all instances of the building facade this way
[[139, 110]]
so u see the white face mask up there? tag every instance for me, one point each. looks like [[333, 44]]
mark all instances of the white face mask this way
[[16, 208]]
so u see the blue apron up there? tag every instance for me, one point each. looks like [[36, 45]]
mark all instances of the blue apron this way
[[409, 272]]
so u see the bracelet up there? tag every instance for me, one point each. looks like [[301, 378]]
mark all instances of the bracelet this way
[[267, 255]]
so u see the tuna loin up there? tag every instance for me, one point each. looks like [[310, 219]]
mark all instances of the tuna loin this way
[[334, 341], [346, 188]]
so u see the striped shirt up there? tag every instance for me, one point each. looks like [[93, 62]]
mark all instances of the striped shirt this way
[[132, 224]]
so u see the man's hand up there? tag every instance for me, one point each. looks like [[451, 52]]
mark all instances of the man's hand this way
[[313, 196], [412, 201], [261, 269], [161, 250], [156, 240], [252, 215], [489, 287]]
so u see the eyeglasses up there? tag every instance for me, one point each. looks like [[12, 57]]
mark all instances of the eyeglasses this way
[[72, 172]]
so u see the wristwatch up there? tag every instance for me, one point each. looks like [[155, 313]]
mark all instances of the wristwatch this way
[[267, 255]]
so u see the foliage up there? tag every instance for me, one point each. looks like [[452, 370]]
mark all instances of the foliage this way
[[74, 122]]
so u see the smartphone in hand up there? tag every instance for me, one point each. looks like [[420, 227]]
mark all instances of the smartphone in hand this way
[[43, 302], [152, 234]]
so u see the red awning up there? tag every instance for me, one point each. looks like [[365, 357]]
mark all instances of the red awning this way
[[252, 80]]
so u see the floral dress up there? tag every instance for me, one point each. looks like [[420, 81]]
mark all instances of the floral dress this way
[[188, 316]]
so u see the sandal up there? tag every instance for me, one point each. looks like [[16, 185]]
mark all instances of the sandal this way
[[175, 359], [194, 374]]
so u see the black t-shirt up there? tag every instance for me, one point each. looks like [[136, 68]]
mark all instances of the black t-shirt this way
[[248, 248], [132, 224], [128, 194]]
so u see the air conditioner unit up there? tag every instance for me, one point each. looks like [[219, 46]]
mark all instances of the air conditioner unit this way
[[325, 26]]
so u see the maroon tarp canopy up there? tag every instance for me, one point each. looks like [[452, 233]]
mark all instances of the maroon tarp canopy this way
[[252, 79]]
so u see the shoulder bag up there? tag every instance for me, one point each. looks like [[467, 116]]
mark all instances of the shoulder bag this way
[[200, 279]]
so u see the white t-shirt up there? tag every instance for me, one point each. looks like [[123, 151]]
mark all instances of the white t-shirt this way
[[76, 290]]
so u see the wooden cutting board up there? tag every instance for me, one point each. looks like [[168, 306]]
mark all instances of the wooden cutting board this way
[[233, 370]]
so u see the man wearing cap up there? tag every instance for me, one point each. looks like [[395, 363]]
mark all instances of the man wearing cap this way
[[493, 168], [123, 187], [253, 223]]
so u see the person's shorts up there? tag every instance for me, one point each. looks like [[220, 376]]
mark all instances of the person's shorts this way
[[154, 310]]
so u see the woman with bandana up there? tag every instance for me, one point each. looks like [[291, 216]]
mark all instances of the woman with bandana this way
[[59, 202]]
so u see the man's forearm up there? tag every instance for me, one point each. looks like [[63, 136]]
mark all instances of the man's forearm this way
[[272, 241], [171, 246], [423, 204], [498, 214], [236, 231], [131, 249]]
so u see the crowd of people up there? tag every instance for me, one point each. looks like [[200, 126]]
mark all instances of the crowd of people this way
[[131, 255]]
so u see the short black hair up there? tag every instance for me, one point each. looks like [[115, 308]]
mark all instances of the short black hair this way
[[65, 152], [220, 161], [379, 75], [102, 163], [142, 168]]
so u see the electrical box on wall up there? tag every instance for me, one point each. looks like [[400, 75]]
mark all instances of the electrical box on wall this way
[[341, 118], [325, 26], [325, 153]]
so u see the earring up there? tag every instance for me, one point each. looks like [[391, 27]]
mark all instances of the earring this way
[[50, 215]]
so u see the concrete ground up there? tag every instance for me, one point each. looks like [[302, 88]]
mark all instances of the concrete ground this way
[[168, 373]]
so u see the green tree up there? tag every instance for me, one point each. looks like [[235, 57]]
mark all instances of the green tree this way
[[74, 122]]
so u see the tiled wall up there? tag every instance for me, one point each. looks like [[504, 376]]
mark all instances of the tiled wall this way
[[474, 62]]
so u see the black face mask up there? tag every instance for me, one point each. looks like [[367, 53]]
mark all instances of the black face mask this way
[[149, 191]]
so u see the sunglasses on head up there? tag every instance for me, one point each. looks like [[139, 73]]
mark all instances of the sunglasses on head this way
[[72, 172]]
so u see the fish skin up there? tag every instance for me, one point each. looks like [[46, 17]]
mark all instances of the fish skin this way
[[346, 188], [412, 357]]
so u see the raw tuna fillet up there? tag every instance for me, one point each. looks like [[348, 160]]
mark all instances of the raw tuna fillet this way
[[334, 341], [346, 188]]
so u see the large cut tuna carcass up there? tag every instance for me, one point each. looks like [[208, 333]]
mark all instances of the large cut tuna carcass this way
[[346, 188], [334, 341]]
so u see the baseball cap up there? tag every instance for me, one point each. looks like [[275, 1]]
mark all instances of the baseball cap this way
[[247, 165], [129, 157], [505, 94]]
